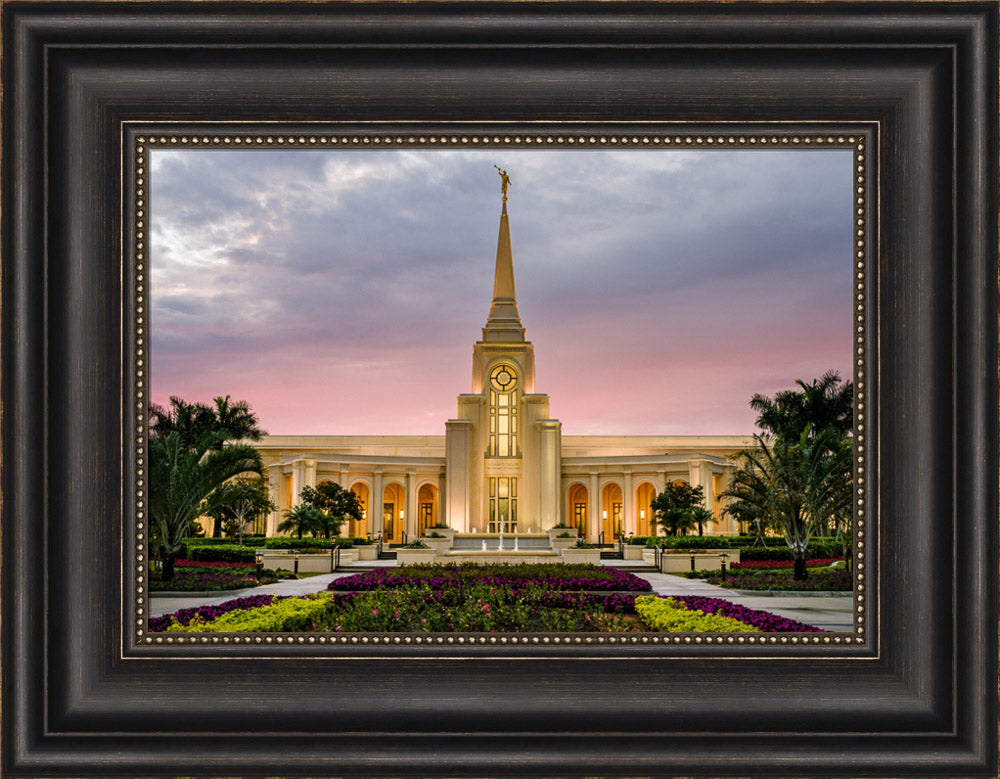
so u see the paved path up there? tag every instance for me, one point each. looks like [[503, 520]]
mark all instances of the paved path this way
[[168, 604], [830, 612]]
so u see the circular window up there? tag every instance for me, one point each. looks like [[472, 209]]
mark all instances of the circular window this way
[[503, 378]]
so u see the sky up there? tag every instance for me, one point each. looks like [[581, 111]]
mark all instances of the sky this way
[[340, 292]]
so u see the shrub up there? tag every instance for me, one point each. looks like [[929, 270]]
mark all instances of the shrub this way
[[669, 616], [818, 548], [184, 616], [819, 579], [285, 615], [307, 545], [222, 553], [253, 541], [195, 577]]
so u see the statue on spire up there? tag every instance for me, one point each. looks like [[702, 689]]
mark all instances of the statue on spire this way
[[504, 181]]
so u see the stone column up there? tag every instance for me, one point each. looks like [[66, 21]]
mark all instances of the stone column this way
[[707, 483], [309, 473], [377, 523], [410, 500], [457, 499], [593, 509], [629, 520], [274, 490], [549, 467], [298, 481]]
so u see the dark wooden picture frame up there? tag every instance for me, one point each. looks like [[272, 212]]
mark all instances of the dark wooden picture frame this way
[[81, 698]]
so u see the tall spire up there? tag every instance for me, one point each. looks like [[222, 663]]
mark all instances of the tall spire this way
[[503, 322]]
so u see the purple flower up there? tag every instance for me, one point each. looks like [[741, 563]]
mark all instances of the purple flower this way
[[764, 621]]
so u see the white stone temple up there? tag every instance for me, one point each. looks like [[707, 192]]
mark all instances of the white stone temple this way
[[503, 464]]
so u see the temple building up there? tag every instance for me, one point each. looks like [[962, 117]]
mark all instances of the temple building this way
[[503, 463]]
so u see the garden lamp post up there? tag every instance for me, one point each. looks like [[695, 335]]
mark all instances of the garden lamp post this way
[[295, 556], [723, 556], [259, 559], [692, 561], [333, 552]]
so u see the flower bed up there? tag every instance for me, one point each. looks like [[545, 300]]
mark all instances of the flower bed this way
[[185, 616], [763, 621], [670, 616], [517, 598], [195, 576], [552, 576], [758, 564], [820, 579]]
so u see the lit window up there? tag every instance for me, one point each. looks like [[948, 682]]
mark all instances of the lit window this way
[[503, 504], [503, 412]]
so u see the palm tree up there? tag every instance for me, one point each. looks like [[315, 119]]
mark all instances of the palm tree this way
[[236, 419], [750, 498], [191, 421], [806, 483], [181, 480], [300, 519], [823, 403]]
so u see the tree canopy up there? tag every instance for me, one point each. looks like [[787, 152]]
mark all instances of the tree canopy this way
[[322, 510], [182, 480], [194, 455], [679, 508], [233, 421], [797, 479]]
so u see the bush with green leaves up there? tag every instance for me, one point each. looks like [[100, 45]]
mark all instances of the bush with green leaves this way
[[253, 541], [221, 553], [308, 545], [286, 615]]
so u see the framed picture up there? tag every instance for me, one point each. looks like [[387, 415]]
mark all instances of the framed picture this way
[[91, 89]]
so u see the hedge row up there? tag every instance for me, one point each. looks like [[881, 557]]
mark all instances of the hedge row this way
[[311, 544], [234, 553], [209, 541], [221, 553], [775, 547]]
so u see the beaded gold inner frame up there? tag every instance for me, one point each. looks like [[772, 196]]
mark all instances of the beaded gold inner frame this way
[[138, 140]]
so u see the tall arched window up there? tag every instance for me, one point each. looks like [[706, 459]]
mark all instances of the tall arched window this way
[[503, 411]]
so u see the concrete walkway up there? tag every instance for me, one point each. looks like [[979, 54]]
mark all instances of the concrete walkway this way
[[168, 604], [829, 612]]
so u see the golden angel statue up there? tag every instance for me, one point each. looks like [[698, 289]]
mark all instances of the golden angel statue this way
[[504, 180]]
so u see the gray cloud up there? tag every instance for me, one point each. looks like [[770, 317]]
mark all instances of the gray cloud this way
[[677, 258]]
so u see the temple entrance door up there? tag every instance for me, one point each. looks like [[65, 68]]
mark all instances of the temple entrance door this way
[[611, 512], [580, 518], [578, 499], [388, 513]]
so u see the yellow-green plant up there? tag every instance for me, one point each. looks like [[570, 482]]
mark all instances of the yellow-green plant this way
[[668, 616], [287, 615]]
